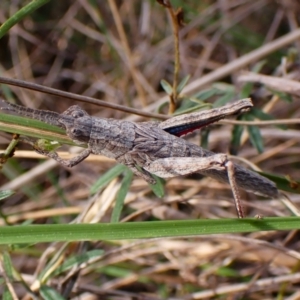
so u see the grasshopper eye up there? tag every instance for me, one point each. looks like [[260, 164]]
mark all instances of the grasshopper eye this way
[[76, 132], [79, 136], [77, 114]]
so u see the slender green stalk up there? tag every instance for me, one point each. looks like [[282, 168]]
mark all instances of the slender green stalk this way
[[19, 15]]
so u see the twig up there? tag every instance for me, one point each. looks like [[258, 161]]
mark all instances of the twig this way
[[231, 67], [279, 84], [131, 66], [175, 15], [55, 92]]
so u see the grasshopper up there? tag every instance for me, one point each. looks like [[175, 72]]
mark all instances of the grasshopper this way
[[154, 147]]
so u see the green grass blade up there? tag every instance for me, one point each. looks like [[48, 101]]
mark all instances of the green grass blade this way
[[159, 187], [33, 128], [19, 15], [236, 139], [254, 135], [183, 83], [258, 113], [126, 182], [283, 183], [107, 177], [141, 230], [8, 265], [77, 260], [48, 293], [6, 194], [6, 294]]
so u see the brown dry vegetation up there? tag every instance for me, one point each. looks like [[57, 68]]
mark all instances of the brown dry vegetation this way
[[119, 51]]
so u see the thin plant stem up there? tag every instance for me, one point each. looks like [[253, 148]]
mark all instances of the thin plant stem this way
[[121, 31], [19, 15], [175, 27]]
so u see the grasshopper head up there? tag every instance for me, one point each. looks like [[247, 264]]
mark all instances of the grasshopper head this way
[[78, 124]]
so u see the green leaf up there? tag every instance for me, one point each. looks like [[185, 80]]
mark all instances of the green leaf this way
[[162, 106], [236, 139], [204, 137], [224, 99], [258, 113], [222, 88], [47, 145], [107, 177], [283, 183], [246, 90], [166, 86], [258, 66], [256, 138], [182, 111], [126, 182], [227, 272], [48, 293], [204, 95], [183, 83], [159, 187], [198, 101], [7, 294], [8, 265], [254, 135], [5, 194], [115, 271], [77, 260], [284, 96]]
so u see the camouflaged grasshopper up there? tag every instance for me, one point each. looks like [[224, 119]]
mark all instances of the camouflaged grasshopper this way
[[154, 147]]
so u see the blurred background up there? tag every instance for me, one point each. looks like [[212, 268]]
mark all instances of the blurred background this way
[[119, 51]]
